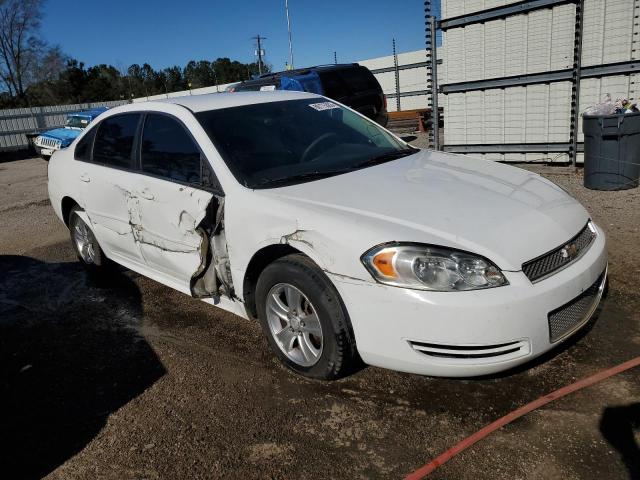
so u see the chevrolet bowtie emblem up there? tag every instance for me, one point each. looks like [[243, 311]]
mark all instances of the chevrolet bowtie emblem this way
[[569, 251]]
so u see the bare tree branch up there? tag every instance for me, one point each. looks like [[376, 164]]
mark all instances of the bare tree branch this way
[[20, 47]]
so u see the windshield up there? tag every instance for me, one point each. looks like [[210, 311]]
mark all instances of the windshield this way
[[282, 143], [74, 121]]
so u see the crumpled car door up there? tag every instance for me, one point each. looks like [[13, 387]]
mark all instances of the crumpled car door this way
[[167, 228]]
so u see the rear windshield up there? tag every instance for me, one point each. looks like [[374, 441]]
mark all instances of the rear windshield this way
[[282, 143], [74, 121], [258, 86], [358, 79]]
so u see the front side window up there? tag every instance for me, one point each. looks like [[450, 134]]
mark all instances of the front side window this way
[[282, 143], [168, 150], [113, 145]]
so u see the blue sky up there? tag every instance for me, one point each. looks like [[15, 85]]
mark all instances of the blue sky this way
[[165, 33]]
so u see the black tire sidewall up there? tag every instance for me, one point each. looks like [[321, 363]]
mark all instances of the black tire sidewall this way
[[338, 344]]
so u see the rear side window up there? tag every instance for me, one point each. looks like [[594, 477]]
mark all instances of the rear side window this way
[[83, 149], [359, 79], [114, 140], [341, 83], [333, 85], [169, 151]]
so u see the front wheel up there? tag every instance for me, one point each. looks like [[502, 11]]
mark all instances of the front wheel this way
[[304, 320]]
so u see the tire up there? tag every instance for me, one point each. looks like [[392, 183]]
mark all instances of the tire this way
[[85, 243], [329, 356]]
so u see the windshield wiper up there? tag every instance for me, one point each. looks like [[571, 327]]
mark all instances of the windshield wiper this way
[[306, 176], [385, 157]]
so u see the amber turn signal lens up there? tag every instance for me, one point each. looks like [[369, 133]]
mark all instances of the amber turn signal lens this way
[[384, 263]]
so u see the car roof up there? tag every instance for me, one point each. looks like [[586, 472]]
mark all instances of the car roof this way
[[297, 71], [92, 112], [215, 101]]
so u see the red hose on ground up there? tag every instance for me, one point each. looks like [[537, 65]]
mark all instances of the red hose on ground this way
[[510, 417]]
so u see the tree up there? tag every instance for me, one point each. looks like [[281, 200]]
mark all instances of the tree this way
[[20, 46], [174, 80], [200, 74]]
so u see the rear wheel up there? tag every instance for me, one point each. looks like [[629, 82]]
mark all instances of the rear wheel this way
[[84, 242], [304, 320]]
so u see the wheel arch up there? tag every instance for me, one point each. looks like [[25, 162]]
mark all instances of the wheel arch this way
[[67, 205], [260, 260]]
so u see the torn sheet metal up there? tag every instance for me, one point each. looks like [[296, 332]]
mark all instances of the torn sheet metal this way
[[164, 220]]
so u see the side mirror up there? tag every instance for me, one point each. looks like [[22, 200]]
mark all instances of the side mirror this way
[[408, 138]]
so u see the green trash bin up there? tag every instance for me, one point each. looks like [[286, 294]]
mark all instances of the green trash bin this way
[[611, 151]]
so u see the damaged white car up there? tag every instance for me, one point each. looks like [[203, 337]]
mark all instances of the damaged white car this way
[[344, 241]]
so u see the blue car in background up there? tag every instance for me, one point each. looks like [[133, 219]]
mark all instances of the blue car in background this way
[[48, 142]]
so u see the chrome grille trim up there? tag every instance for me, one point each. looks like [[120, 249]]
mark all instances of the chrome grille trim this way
[[552, 262], [42, 141], [571, 316]]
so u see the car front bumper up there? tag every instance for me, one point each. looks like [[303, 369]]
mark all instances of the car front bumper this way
[[464, 334], [44, 151]]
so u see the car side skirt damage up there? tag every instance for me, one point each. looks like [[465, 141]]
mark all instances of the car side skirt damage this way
[[213, 277]]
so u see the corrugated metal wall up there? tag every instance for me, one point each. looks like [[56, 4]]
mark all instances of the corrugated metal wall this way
[[535, 42], [15, 123], [456, 8], [411, 79]]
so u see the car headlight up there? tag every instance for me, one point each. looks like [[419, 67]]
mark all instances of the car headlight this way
[[426, 267]]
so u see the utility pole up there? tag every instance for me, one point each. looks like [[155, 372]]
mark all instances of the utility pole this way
[[259, 51], [397, 75], [286, 7], [435, 111], [335, 57]]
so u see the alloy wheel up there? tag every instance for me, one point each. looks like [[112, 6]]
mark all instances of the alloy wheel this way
[[294, 324]]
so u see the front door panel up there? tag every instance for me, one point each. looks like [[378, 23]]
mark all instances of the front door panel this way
[[168, 215]]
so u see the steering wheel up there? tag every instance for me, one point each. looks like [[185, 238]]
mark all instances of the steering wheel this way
[[322, 138]]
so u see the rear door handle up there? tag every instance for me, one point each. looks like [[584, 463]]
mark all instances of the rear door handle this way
[[85, 178]]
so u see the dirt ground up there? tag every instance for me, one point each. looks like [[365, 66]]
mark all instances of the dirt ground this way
[[123, 378]]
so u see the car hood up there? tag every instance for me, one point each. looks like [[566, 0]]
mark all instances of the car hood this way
[[67, 135], [504, 213]]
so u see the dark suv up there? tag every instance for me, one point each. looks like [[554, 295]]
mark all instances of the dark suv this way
[[350, 84]]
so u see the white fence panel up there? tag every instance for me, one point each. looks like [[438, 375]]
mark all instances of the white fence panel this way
[[16, 123]]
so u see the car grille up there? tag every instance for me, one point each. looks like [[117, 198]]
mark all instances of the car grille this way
[[48, 142], [556, 259], [577, 312], [475, 353]]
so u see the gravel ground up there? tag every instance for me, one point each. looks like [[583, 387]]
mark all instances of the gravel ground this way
[[123, 378]]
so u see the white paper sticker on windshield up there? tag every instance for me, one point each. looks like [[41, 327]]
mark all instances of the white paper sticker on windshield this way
[[323, 106], [267, 88], [84, 122]]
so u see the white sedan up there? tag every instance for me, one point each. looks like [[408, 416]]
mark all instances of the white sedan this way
[[344, 241]]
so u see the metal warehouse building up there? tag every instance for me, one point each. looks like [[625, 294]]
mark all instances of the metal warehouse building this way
[[517, 75], [411, 82]]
